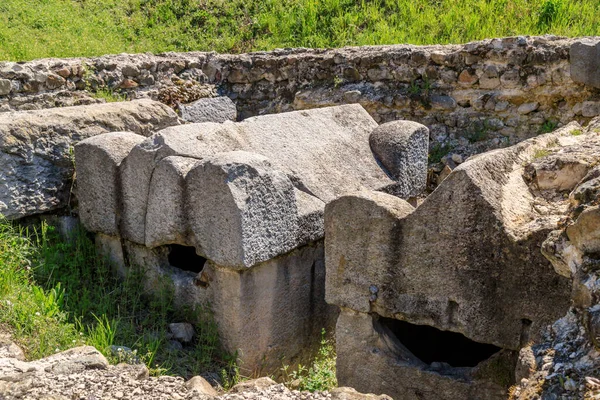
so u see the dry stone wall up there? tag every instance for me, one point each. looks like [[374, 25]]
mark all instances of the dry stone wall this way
[[473, 97]]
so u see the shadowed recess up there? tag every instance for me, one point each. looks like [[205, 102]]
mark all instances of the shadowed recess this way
[[433, 345], [185, 258]]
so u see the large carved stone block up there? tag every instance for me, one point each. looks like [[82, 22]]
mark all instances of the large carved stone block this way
[[585, 61], [464, 270], [99, 188], [35, 148]]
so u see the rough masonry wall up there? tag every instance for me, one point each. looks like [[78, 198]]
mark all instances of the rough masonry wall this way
[[473, 97]]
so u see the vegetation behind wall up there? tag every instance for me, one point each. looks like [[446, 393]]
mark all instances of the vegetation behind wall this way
[[68, 28]]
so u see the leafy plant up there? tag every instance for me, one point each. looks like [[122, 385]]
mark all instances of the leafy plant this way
[[320, 375], [548, 126], [549, 13], [102, 334], [437, 151], [337, 82], [477, 135]]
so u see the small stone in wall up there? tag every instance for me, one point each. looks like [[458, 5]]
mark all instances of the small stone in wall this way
[[128, 84], [64, 72], [489, 83], [466, 78], [216, 109], [590, 108], [130, 70], [528, 108], [443, 102], [501, 106], [510, 79], [54, 82], [352, 96], [5, 87]]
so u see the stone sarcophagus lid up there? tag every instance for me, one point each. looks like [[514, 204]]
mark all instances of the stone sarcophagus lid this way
[[436, 301], [233, 213]]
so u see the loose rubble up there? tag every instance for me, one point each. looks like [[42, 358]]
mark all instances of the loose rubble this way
[[565, 363], [84, 373]]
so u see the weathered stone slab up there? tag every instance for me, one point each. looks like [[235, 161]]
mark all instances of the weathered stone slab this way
[[138, 166], [585, 61], [209, 109], [467, 260], [166, 217], [361, 230], [243, 211], [98, 181], [35, 148], [403, 148], [274, 311]]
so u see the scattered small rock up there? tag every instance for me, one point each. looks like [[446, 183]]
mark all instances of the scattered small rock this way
[[182, 331], [201, 385]]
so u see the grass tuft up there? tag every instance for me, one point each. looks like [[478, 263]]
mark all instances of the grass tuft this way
[[437, 151], [576, 132], [548, 126], [110, 96], [541, 153]]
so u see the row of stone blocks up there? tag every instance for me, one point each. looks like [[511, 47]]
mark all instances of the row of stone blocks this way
[[434, 302], [233, 213]]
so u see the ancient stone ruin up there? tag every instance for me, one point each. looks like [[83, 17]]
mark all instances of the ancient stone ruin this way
[[313, 193], [233, 213], [447, 293]]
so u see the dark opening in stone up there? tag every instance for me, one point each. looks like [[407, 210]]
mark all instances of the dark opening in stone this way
[[185, 258], [433, 345]]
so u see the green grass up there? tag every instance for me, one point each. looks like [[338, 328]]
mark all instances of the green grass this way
[[110, 96], [56, 294], [65, 28], [576, 132]]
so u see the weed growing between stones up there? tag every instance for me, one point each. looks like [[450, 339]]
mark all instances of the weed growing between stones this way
[[110, 96], [477, 135], [576, 132], [541, 153], [57, 294], [438, 151], [320, 375], [548, 126]]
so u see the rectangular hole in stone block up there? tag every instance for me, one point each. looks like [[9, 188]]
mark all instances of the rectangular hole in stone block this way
[[432, 345], [185, 258]]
